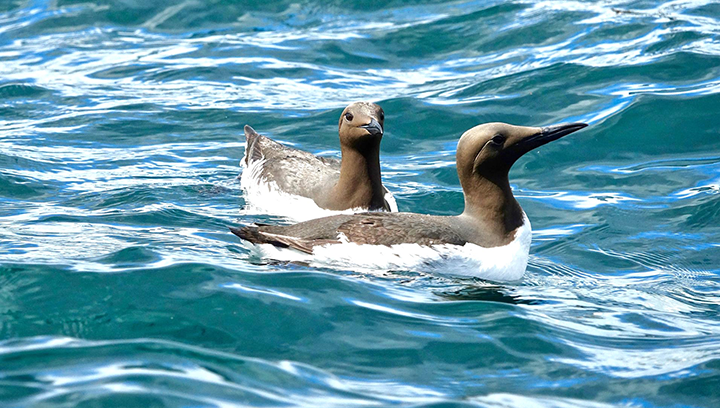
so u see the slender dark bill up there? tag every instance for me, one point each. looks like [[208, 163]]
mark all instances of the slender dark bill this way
[[373, 127], [548, 134]]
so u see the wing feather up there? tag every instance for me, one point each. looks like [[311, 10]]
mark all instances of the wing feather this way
[[254, 235]]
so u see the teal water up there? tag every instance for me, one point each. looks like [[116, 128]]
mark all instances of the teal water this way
[[120, 137]]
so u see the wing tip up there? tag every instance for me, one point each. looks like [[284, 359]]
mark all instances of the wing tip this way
[[252, 234], [237, 231], [249, 131], [252, 149], [248, 233]]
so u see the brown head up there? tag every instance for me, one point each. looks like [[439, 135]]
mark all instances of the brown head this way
[[484, 157], [359, 185], [361, 125], [488, 151]]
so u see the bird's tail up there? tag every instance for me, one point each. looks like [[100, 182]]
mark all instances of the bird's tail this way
[[253, 235], [252, 147]]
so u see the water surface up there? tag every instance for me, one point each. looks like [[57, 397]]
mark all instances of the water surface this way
[[120, 136]]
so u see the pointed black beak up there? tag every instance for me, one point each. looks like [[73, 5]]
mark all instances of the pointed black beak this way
[[373, 127], [547, 135]]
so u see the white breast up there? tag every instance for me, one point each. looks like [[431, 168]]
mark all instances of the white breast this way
[[503, 263]]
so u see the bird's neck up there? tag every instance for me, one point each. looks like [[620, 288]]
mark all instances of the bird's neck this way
[[492, 206], [360, 183]]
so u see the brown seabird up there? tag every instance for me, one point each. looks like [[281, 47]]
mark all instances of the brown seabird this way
[[350, 183]]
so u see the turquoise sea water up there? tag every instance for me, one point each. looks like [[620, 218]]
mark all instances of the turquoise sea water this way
[[120, 136]]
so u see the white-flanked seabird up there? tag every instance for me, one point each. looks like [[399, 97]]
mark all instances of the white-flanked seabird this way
[[293, 181], [491, 238]]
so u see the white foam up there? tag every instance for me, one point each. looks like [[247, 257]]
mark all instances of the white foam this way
[[263, 197], [503, 263]]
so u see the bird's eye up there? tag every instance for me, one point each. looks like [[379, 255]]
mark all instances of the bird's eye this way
[[382, 115], [498, 139], [349, 117]]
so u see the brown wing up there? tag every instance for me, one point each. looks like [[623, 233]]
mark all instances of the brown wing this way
[[400, 228], [367, 228], [294, 171]]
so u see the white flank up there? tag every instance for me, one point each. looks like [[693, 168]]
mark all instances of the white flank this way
[[262, 197], [504, 263], [391, 201]]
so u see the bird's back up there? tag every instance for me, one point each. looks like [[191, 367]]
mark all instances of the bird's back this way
[[375, 228], [293, 171]]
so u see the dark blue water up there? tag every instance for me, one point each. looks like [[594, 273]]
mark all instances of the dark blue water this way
[[120, 137]]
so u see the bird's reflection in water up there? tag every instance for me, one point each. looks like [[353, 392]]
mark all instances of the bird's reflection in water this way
[[462, 290], [486, 292]]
